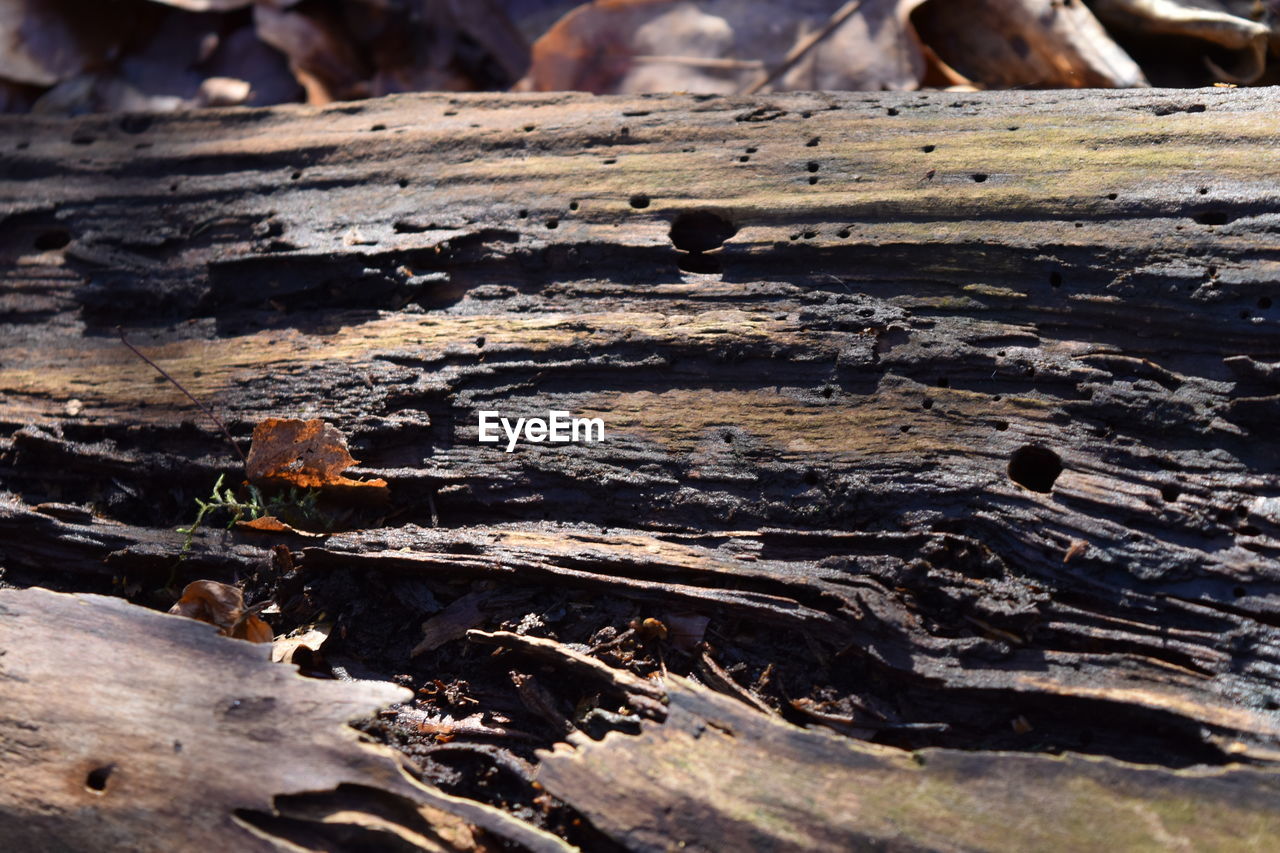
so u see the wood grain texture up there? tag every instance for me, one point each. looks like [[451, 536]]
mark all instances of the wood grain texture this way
[[833, 339], [187, 739], [743, 781]]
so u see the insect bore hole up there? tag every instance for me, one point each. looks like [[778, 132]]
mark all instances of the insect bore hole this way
[[97, 778], [1035, 468], [52, 240]]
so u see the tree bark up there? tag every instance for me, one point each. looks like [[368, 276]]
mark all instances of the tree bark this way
[[957, 407]]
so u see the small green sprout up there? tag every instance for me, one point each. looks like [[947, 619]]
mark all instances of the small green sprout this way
[[294, 507]]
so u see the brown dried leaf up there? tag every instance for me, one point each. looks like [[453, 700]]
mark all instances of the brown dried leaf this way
[[1007, 43], [1215, 22], [725, 46], [311, 638], [222, 605], [452, 623], [46, 41], [320, 53], [266, 524], [307, 455], [687, 630], [242, 56]]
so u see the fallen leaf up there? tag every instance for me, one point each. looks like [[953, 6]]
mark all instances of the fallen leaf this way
[[321, 54], [266, 524], [311, 637], [221, 605], [242, 56], [727, 46], [452, 623], [306, 455], [687, 630], [271, 524], [1214, 22], [1041, 43], [47, 41]]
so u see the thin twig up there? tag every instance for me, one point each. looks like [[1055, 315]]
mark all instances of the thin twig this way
[[719, 63], [798, 52], [178, 385]]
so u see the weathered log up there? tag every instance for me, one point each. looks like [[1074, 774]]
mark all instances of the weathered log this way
[[182, 739], [966, 402]]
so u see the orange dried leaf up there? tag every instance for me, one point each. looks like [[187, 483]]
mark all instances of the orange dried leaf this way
[[221, 605], [271, 524], [266, 524], [308, 455], [253, 629]]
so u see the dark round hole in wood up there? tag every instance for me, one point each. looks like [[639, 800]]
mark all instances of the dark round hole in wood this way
[[1112, 196], [929, 149], [812, 166], [135, 123], [1169, 492], [97, 778], [52, 239], [1055, 279], [1035, 468], [377, 127], [813, 179], [1001, 426], [553, 223], [639, 201], [979, 177], [1239, 592], [700, 231], [573, 205]]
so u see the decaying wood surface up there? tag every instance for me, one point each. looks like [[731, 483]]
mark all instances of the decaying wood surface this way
[[186, 740], [794, 789], [959, 410]]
